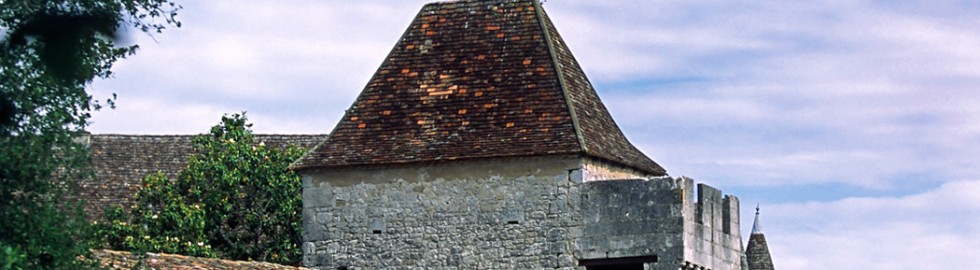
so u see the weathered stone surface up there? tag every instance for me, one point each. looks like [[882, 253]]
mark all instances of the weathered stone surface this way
[[522, 213], [436, 220]]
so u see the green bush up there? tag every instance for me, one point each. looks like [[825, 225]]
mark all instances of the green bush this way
[[236, 199], [160, 222]]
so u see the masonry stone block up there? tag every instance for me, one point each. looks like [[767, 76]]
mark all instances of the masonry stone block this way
[[576, 176], [319, 196], [312, 227]]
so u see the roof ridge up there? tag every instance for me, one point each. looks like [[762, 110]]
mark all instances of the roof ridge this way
[[597, 131], [300, 162], [562, 85]]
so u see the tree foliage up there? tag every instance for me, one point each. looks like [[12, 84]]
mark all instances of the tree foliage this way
[[160, 222], [236, 199], [50, 51]]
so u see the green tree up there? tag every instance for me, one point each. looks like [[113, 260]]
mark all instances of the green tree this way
[[51, 50], [237, 199]]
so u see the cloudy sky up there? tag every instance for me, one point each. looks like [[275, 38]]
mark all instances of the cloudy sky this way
[[855, 124]]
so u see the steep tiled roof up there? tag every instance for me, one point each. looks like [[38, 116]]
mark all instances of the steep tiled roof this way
[[477, 79], [120, 163]]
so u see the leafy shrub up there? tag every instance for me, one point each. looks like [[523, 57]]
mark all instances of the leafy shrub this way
[[236, 199]]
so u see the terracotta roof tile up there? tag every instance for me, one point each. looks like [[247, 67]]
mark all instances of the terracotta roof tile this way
[[477, 79], [112, 259]]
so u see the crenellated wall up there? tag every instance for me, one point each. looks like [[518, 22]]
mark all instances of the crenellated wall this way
[[674, 219], [712, 233], [513, 213]]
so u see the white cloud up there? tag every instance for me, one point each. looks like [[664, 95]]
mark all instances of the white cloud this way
[[789, 93], [297, 64], [935, 229], [155, 117]]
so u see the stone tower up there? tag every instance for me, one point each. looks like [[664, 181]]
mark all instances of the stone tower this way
[[480, 143], [757, 252]]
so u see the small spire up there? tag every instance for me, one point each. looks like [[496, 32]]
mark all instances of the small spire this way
[[757, 252]]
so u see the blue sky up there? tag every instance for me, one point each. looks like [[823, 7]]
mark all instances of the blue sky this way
[[854, 123]]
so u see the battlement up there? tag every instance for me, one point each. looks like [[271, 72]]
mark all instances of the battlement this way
[[514, 213], [715, 210], [713, 235], [662, 216]]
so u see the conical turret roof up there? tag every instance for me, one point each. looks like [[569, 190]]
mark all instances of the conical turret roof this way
[[757, 252], [477, 79]]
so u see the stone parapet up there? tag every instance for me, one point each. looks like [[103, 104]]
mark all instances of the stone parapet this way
[[513, 213]]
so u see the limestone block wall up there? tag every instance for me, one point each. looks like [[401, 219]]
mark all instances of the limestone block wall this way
[[596, 170], [518, 214], [712, 236], [667, 223], [639, 219], [529, 213]]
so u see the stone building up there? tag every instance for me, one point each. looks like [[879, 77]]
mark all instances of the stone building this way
[[479, 143]]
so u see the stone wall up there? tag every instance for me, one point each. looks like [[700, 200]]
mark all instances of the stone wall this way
[[517, 214], [639, 219], [662, 222], [712, 234], [528, 213], [596, 170]]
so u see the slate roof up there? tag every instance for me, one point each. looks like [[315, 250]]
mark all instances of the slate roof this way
[[477, 79], [120, 163], [757, 252]]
